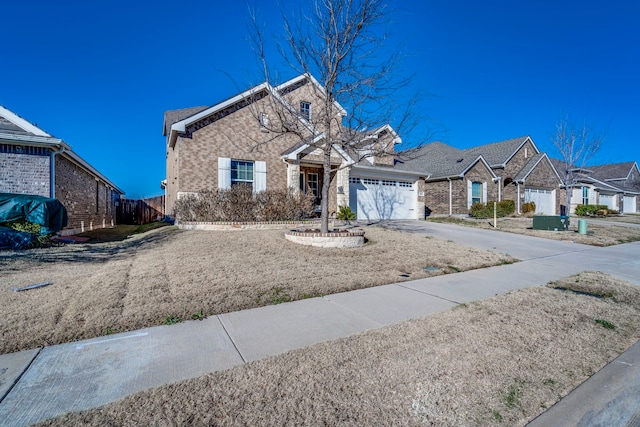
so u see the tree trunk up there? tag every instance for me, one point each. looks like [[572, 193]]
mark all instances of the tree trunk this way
[[326, 184]]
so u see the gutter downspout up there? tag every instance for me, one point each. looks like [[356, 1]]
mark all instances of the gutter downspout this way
[[52, 171], [518, 197], [499, 182], [450, 197]]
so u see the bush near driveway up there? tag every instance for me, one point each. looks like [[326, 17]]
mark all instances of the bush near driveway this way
[[169, 273]]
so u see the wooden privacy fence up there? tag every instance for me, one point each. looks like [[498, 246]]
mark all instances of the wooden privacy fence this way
[[130, 211]]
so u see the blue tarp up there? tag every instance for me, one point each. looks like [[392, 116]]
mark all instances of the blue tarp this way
[[12, 239], [50, 214]]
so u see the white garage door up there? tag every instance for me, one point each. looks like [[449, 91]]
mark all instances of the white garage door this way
[[608, 200], [629, 204], [374, 199], [545, 200]]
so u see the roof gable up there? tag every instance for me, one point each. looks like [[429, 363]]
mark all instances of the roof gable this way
[[497, 154], [530, 166]]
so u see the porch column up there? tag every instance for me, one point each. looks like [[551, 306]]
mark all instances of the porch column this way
[[293, 176], [342, 181]]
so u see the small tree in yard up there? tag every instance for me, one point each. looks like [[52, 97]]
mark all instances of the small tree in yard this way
[[576, 145], [341, 44]]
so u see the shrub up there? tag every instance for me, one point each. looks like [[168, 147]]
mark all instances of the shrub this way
[[503, 208], [529, 207], [24, 226], [590, 210], [240, 204], [346, 214]]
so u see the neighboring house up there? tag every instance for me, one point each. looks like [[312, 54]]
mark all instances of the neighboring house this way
[[453, 180], [615, 185], [34, 162], [513, 169], [231, 143]]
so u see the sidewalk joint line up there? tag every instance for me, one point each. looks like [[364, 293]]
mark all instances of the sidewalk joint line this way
[[15, 383], [231, 338], [427, 293]]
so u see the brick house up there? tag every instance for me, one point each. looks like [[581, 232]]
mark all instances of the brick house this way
[[233, 142], [453, 181], [513, 169], [34, 162], [616, 185]]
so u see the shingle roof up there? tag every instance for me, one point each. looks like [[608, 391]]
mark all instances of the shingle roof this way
[[497, 153], [173, 116], [436, 159], [612, 171], [9, 127], [528, 167]]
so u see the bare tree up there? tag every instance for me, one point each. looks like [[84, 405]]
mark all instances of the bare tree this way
[[576, 145], [341, 44]]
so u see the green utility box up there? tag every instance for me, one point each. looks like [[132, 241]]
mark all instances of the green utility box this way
[[552, 223]]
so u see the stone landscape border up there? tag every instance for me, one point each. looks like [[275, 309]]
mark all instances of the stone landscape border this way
[[249, 225], [334, 239]]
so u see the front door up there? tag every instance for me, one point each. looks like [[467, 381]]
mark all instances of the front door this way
[[311, 183]]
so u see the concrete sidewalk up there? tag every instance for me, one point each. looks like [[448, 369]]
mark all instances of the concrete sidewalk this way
[[43, 383]]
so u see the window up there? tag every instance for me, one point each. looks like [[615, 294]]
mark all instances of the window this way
[[312, 183], [585, 195], [476, 192], [368, 181], [305, 110], [388, 183], [405, 184], [241, 172]]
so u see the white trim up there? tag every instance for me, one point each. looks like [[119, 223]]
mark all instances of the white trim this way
[[22, 123], [259, 176], [224, 173]]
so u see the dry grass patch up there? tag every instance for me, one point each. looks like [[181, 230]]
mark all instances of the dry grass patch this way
[[500, 361], [168, 275], [598, 235]]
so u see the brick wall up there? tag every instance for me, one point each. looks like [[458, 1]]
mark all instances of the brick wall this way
[[89, 202], [192, 165], [25, 173], [436, 196]]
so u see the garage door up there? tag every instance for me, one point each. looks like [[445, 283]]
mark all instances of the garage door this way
[[608, 200], [374, 199], [545, 200], [629, 204]]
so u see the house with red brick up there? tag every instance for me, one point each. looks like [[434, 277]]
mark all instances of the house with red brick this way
[[234, 142], [36, 163]]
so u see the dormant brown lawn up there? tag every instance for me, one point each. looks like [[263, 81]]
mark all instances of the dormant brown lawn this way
[[500, 361], [169, 274]]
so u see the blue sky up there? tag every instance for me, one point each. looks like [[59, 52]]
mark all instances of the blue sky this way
[[100, 74]]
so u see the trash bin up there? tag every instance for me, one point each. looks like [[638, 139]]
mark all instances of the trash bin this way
[[582, 226]]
